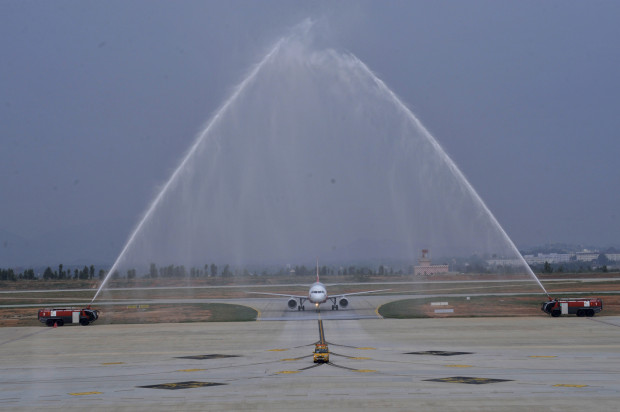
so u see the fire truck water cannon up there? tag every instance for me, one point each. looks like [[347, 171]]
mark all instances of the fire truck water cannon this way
[[572, 306], [60, 317]]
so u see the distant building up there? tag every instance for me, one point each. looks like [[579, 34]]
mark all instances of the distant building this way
[[614, 257], [541, 258], [587, 256], [505, 262], [425, 268], [555, 258]]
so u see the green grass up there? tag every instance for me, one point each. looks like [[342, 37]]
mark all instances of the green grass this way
[[474, 307], [176, 313], [403, 309], [224, 312]]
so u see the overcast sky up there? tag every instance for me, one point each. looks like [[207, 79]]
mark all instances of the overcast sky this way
[[99, 101]]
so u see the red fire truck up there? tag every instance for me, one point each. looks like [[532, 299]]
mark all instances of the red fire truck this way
[[572, 306], [59, 317]]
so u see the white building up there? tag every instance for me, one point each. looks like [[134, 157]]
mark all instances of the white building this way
[[614, 257], [587, 256], [541, 258]]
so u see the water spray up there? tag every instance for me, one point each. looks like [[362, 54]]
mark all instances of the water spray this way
[[296, 104], [190, 153], [451, 165]]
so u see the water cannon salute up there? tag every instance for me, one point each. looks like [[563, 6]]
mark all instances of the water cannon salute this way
[[315, 185], [311, 154]]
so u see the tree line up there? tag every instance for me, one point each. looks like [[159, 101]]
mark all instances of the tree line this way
[[180, 271], [9, 274], [86, 273]]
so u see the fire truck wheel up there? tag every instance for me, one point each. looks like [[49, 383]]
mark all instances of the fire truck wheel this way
[[556, 313], [49, 322], [60, 322], [580, 313], [590, 312], [84, 322]]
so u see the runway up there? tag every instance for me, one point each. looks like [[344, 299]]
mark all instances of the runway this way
[[494, 364]]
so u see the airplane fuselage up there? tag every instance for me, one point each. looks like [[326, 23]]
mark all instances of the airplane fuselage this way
[[317, 293]]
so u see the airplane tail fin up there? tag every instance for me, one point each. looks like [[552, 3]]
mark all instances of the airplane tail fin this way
[[317, 270]]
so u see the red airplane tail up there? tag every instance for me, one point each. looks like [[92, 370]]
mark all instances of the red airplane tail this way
[[317, 271]]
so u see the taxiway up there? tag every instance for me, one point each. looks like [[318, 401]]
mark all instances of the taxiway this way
[[494, 364]]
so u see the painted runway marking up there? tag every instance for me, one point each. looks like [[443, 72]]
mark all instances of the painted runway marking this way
[[286, 372], [85, 393], [321, 332], [542, 356], [190, 370], [458, 366], [113, 363], [277, 350], [438, 353], [311, 366], [567, 385], [367, 348]]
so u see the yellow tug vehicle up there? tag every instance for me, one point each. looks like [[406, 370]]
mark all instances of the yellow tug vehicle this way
[[321, 353]]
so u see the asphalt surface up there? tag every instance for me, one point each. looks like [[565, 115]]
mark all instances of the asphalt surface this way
[[482, 364]]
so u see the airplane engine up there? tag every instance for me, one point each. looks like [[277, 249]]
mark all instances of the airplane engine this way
[[344, 302], [292, 303]]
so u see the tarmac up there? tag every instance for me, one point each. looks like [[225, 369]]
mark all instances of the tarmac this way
[[450, 364]]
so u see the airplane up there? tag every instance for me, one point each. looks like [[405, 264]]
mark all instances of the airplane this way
[[317, 295]]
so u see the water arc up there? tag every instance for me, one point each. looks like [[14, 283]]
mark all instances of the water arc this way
[[313, 155]]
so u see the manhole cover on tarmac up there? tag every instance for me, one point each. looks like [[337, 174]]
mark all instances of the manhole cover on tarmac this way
[[181, 385], [468, 379], [438, 353], [214, 356]]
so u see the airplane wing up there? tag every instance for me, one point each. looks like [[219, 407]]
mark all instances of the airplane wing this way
[[278, 294], [342, 295]]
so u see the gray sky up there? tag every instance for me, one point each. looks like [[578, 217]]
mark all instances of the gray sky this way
[[100, 101]]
